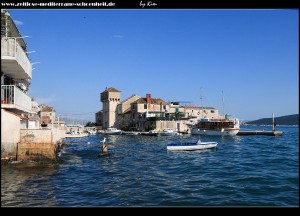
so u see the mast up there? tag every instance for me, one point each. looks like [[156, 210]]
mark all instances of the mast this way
[[223, 103], [273, 123], [201, 100]]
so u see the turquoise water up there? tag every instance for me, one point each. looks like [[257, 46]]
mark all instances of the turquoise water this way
[[139, 171]]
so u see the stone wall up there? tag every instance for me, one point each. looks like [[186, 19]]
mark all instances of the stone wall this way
[[40, 144], [37, 151], [179, 126]]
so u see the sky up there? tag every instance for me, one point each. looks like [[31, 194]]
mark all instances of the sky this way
[[252, 56]]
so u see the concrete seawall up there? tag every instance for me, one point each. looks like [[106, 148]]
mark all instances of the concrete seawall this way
[[40, 145], [10, 135]]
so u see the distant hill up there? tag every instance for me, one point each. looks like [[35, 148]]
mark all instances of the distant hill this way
[[282, 120]]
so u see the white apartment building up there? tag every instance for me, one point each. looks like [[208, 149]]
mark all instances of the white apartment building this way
[[16, 74]]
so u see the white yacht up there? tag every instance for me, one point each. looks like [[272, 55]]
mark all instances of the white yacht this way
[[214, 126]]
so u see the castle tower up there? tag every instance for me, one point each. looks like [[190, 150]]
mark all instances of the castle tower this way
[[110, 99]]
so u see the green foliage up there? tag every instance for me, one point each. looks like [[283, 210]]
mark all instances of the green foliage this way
[[90, 124], [282, 120]]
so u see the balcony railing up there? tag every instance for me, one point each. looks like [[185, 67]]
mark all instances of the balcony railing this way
[[13, 98], [14, 60]]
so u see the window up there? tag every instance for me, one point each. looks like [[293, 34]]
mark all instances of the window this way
[[165, 107], [145, 106], [133, 106], [212, 111]]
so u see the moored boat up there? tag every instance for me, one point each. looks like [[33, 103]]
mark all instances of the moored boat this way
[[150, 133], [220, 126], [191, 146], [168, 132], [130, 133], [76, 135], [112, 131]]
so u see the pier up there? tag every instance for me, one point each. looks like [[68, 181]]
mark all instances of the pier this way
[[260, 132], [273, 132]]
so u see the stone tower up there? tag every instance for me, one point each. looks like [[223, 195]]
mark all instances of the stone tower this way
[[110, 99]]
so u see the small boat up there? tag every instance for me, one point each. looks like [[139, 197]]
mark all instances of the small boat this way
[[130, 133], [112, 131], [168, 132], [150, 133], [76, 135], [191, 146]]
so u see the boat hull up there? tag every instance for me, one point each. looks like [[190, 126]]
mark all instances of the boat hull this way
[[191, 146], [149, 134], [129, 133], [76, 135], [112, 133], [167, 134], [220, 132]]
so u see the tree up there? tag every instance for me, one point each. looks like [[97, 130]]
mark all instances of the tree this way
[[90, 124]]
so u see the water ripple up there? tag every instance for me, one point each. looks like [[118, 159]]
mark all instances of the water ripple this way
[[139, 171]]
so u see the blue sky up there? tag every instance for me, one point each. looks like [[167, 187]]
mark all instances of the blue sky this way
[[176, 55]]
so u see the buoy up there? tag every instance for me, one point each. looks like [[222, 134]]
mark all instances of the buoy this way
[[101, 154], [104, 149]]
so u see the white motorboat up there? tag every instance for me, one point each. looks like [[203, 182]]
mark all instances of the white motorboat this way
[[130, 133], [76, 135], [112, 131], [150, 133], [191, 146], [168, 132]]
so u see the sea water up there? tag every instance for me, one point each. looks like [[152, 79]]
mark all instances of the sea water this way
[[139, 171]]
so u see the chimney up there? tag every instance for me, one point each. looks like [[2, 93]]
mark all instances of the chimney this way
[[148, 96]]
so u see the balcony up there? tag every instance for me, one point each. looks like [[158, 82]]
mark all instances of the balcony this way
[[14, 60], [13, 98]]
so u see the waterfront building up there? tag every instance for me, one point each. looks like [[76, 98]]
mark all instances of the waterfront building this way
[[98, 119], [34, 122], [21, 136], [16, 74], [147, 113], [47, 115], [124, 115]]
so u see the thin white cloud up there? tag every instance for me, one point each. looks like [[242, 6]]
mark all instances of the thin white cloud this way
[[45, 100], [18, 22], [118, 36]]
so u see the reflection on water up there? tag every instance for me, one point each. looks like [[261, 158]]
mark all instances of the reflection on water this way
[[17, 189]]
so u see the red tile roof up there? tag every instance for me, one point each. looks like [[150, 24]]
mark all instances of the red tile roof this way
[[45, 108], [153, 101]]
